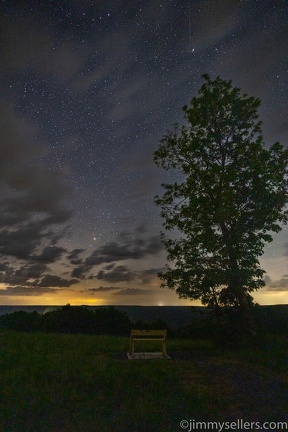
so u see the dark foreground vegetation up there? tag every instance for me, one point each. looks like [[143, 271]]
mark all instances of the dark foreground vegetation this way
[[69, 319], [111, 321], [100, 321], [84, 382]]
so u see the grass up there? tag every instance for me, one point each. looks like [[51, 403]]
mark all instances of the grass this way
[[75, 383]]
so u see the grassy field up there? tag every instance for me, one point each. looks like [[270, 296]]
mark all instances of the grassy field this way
[[77, 383]]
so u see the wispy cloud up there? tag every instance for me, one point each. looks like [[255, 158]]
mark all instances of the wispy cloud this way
[[135, 292]]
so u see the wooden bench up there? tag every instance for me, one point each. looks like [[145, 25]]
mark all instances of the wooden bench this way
[[148, 335]]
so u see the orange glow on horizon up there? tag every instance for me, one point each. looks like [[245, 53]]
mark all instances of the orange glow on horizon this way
[[160, 298], [80, 301]]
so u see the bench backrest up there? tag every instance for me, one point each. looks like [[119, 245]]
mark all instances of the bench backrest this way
[[146, 333]]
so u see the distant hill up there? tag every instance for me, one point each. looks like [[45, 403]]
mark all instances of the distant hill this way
[[174, 316]]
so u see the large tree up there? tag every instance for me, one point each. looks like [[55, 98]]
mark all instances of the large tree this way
[[228, 198]]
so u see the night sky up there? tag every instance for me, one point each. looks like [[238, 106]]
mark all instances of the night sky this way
[[87, 90]]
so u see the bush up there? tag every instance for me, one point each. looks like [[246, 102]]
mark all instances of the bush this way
[[21, 321], [111, 321], [68, 319]]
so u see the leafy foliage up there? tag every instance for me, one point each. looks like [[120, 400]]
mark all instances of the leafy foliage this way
[[227, 199]]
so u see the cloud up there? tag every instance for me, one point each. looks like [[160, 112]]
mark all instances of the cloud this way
[[128, 246], [23, 275], [135, 291], [33, 203], [55, 281], [32, 275], [222, 19], [73, 256], [148, 275], [124, 274], [278, 285], [26, 45], [50, 254], [80, 272], [4, 267], [108, 57], [26, 291], [123, 291], [104, 289], [34, 197], [118, 274]]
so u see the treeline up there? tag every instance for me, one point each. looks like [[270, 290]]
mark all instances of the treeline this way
[[78, 319], [111, 321]]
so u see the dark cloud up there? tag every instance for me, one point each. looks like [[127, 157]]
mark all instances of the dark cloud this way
[[55, 281], [26, 291], [24, 240], [129, 248], [109, 266], [29, 186], [4, 267], [24, 275], [80, 272], [104, 289], [123, 273], [123, 291], [148, 275], [135, 291], [276, 285], [34, 275], [73, 256], [118, 274], [33, 197], [50, 254], [21, 242]]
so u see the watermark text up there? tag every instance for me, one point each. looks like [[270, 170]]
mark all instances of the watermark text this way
[[239, 424]]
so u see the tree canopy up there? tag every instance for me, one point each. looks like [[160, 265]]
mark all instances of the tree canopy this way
[[228, 197]]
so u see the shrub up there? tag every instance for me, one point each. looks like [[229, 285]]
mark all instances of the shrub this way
[[21, 321]]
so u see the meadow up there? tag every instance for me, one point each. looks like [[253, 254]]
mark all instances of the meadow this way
[[85, 383]]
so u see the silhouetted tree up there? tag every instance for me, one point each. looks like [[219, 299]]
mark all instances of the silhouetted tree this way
[[227, 199]]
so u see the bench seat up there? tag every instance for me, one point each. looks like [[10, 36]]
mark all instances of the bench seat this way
[[148, 335]]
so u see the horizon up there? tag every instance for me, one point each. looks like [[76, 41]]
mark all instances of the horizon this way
[[124, 305]]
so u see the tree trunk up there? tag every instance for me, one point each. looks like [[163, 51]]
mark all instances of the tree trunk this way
[[248, 328], [247, 321]]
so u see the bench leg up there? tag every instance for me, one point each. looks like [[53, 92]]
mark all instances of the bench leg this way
[[164, 350], [132, 349]]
